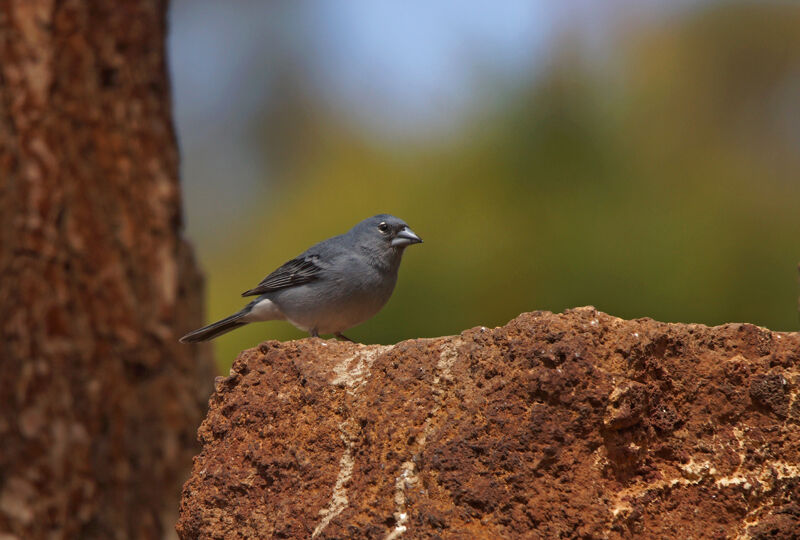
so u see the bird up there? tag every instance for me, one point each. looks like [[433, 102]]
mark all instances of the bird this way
[[334, 285]]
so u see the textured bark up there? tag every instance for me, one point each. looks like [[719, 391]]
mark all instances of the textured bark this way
[[576, 425], [98, 401]]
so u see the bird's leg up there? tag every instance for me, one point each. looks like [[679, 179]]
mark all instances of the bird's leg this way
[[314, 332], [343, 337]]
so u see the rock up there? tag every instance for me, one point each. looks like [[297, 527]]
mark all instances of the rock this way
[[782, 524], [770, 391], [555, 425]]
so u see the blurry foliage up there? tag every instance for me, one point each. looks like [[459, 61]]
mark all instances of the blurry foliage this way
[[663, 184]]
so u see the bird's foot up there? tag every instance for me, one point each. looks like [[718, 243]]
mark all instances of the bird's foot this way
[[314, 332], [343, 337]]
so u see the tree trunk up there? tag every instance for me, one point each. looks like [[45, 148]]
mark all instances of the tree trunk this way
[[99, 403]]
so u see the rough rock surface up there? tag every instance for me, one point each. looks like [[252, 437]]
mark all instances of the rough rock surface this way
[[573, 425]]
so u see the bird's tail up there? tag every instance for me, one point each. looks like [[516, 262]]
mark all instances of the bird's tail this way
[[216, 329]]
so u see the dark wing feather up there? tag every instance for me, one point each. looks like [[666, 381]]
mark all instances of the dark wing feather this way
[[303, 269]]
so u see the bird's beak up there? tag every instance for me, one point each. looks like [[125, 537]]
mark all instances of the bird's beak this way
[[406, 237]]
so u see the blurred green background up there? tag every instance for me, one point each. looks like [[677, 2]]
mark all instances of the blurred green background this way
[[638, 157]]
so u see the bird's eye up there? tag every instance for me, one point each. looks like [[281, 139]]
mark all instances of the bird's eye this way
[[383, 227]]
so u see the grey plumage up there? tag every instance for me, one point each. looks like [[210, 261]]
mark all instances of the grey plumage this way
[[332, 286]]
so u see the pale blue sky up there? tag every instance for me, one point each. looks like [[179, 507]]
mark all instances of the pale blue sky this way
[[412, 69]]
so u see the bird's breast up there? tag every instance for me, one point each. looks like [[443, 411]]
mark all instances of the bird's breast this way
[[337, 303]]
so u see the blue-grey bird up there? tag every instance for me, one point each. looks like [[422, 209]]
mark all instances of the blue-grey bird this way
[[332, 286]]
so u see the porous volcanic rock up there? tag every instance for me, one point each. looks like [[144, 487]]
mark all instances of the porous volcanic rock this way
[[573, 425]]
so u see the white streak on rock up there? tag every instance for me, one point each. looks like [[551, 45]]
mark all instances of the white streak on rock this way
[[339, 499], [354, 371], [351, 373], [408, 475]]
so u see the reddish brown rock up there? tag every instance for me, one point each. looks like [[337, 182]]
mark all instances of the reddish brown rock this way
[[576, 425]]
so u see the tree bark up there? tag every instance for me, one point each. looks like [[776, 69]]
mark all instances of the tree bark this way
[[99, 403]]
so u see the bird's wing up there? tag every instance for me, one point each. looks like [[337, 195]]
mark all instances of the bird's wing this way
[[303, 269]]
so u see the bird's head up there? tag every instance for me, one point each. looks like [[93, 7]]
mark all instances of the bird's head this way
[[386, 232]]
